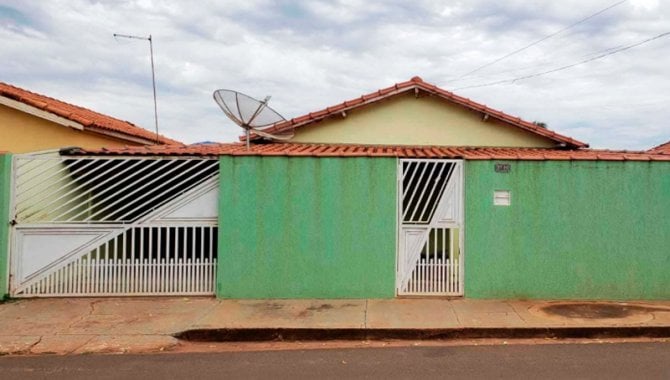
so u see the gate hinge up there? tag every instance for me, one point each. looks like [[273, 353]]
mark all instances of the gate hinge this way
[[12, 222]]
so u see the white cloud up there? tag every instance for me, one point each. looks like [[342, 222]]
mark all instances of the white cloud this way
[[646, 5]]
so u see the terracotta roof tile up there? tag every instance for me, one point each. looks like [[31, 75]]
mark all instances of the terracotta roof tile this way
[[663, 148], [632, 157], [418, 84], [80, 115], [344, 150]]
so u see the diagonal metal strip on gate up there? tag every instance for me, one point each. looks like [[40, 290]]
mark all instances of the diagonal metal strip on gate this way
[[430, 199]]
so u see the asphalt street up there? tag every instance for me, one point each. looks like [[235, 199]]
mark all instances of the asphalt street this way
[[545, 361]]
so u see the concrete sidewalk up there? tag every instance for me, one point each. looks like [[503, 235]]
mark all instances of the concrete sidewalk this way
[[92, 325]]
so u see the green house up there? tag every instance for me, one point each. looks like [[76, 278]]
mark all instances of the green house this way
[[407, 191]]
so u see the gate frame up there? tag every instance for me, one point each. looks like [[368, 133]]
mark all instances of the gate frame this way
[[461, 232], [14, 226]]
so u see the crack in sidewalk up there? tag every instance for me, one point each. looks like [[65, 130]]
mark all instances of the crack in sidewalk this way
[[365, 321], [30, 349], [511, 306], [205, 314], [89, 340], [91, 310], [458, 320]]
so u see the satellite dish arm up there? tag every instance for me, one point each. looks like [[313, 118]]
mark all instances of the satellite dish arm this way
[[227, 110], [232, 117], [263, 104], [237, 102]]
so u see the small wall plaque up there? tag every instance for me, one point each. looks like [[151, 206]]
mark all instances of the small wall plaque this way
[[502, 168], [502, 198]]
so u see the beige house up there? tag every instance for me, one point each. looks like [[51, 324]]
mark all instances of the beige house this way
[[418, 113], [32, 122]]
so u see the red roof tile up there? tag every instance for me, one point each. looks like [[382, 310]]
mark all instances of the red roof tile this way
[[416, 83], [662, 149], [343, 150], [89, 119]]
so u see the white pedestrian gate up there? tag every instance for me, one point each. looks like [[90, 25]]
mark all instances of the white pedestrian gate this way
[[95, 225], [430, 224]]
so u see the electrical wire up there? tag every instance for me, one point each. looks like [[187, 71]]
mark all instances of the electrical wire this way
[[624, 48], [539, 64], [542, 39]]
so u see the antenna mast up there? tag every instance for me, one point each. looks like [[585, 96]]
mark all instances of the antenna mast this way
[[153, 75]]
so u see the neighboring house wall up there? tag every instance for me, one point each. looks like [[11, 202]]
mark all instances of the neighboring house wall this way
[[574, 230], [5, 187], [307, 227], [408, 120], [21, 132]]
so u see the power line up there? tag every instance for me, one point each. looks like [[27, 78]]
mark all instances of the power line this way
[[542, 39], [568, 66], [539, 64]]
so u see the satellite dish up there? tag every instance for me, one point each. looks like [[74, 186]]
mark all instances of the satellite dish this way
[[251, 114]]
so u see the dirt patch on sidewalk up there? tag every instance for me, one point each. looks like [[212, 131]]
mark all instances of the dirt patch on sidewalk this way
[[599, 312]]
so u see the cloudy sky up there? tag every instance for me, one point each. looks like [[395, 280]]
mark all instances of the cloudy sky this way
[[312, 54]]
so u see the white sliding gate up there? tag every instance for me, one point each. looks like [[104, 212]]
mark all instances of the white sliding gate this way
[[95, 226], [430, 223]]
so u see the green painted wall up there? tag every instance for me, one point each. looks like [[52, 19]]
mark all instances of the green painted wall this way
[[5, 175], [574, 230], [306, 227]]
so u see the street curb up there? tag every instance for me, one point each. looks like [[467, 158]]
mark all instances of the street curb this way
[[321, 334]]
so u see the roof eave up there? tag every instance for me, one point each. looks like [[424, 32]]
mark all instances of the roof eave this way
[[413, 85], [40, 113], [123, 136], [348, 150]]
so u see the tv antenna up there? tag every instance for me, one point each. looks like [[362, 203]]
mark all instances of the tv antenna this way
[[153, 75], [251, 114]]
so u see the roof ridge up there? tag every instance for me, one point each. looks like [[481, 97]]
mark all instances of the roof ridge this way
[[414, 83], [663, 148]]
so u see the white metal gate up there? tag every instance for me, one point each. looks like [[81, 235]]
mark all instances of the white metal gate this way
[[430, 224], [91, 226]]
